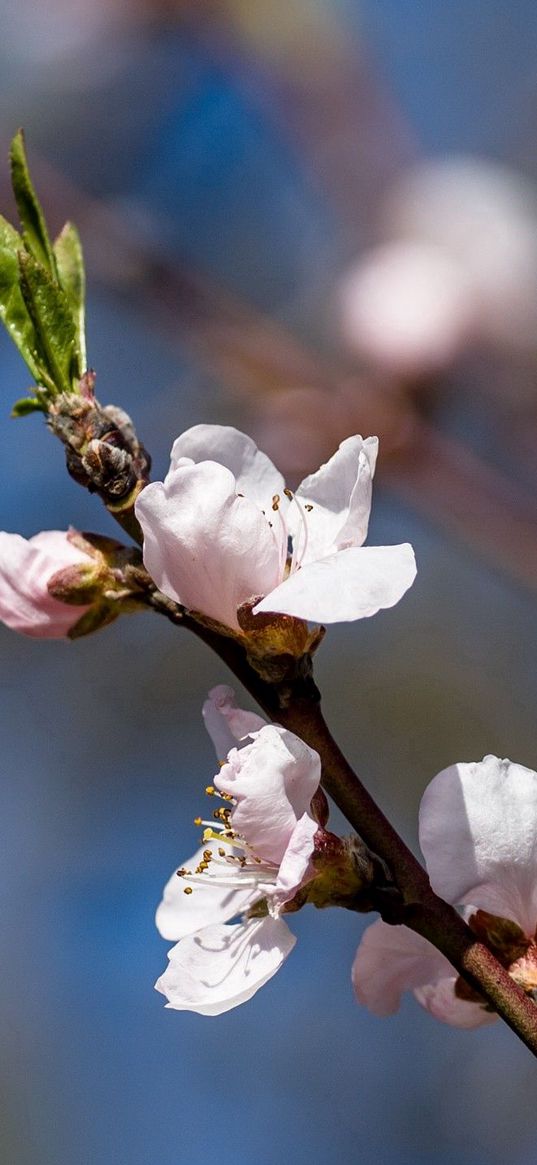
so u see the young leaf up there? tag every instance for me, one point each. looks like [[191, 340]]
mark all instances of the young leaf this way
[[34, 228], [70, 265], [26, 405], [13, 310], [48, 307]]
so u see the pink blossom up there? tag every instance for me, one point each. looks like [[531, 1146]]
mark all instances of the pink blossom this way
[[478, 834], [257, 848], [222, 530], [26, 568]]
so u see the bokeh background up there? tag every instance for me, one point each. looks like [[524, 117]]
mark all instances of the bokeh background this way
[[307, 218]]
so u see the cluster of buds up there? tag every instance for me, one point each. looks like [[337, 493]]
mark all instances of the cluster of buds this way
[[103, 453]]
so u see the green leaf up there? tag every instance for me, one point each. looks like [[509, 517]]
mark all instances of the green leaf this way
[[34, 228], [71, 275], [49, 309], [26, 405], [13, 310]]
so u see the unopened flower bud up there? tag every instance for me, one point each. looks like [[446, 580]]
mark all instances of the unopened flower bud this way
[[26, 567]]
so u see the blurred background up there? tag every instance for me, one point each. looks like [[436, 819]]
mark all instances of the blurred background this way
[[306, 218]]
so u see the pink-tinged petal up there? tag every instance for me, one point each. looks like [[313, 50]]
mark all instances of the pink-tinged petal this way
[[223, 966], [478, 834], [352, 584], [256, 477], [57, 544], [273, 780], [296, 867], [225, 722], [391, 960], [25, 569], [441, 1001], [180, 914], [204, 546], [339, 494]]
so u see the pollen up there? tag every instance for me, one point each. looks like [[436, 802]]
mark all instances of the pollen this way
[[276, 501], [210, 790], [187, 890], [308, 507], [197, 821], [288, 493]]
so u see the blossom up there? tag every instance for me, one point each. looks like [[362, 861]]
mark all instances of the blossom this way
[[255, 856], [222, 530], [478, 834], [27, 566]]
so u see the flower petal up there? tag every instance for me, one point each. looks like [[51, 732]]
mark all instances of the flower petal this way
[[351, 584], [256, 477], [204, 546], [442, 1002], [391, 960], [273, 780], [222, 966], [296, 867], [340, 496], [180, 914], [478, 834], [26, 565], [225, 722]]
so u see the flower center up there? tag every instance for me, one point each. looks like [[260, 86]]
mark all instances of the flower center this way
[[233, 863], [293, 545]]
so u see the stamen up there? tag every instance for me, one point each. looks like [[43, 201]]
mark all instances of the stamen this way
[[296, 559]]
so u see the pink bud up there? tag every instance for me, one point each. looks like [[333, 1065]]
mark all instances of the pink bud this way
[[26, 566]]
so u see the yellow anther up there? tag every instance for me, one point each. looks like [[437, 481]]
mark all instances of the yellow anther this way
[[210, 790], [197, 821], [207, 855], [221, 852]]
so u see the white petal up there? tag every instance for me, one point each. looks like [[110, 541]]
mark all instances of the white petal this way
[[440, 1000], [340, 496], [296, 867], [391, 960], [273, 780], [257, 478], [222, 966], [180, 914], [225, 722], [351, 584], [204, 546], [478, 834]]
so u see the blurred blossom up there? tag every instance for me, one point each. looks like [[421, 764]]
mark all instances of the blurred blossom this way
[[460, 263], [407, 306]]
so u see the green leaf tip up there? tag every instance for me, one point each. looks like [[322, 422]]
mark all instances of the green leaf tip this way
[[34, 228], [42, 292]]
